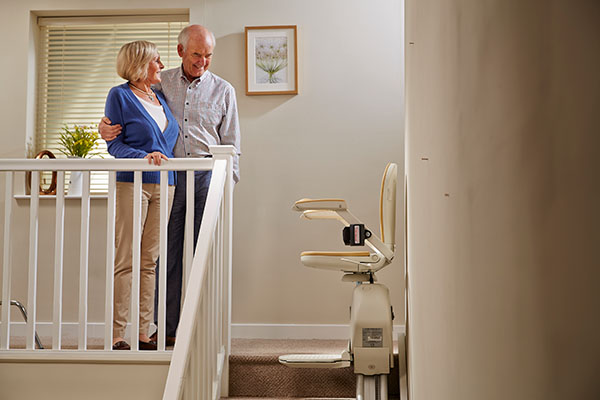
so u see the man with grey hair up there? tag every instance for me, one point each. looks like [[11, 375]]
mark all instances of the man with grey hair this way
[[206, 109]]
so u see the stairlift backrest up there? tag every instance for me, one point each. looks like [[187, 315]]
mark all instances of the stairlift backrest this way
[[387, 205]]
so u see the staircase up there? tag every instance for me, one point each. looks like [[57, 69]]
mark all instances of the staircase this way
[[255, 372]]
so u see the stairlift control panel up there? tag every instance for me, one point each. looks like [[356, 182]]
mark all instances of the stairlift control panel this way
[[355, 235]]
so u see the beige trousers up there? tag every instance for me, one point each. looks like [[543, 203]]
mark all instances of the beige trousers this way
[[149, 253]]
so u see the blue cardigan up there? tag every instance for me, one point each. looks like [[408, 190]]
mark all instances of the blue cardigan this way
[[140, 134]]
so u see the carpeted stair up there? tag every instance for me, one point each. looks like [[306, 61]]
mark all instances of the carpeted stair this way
[[255, 372]]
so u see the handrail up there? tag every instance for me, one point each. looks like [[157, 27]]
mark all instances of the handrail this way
[[199, 363], [99, 164]]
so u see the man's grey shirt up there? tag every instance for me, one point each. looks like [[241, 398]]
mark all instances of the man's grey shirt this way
[[206, 110]]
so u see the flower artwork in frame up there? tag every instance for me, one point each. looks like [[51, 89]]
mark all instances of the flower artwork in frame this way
[[271, 60]]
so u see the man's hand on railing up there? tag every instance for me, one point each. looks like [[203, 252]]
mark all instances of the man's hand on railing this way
[[156, 157], [108, 131]]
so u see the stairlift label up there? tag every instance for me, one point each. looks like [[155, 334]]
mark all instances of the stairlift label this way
[[372, 337]]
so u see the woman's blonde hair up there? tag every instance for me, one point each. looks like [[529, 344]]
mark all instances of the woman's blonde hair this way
[[133, 60]]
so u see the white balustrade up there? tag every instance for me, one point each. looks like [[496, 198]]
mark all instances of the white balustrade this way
[[199, 360], [199, 365]]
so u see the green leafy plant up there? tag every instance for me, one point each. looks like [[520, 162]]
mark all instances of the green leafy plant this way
[[79, 141]]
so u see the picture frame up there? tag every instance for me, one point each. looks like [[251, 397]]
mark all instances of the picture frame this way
[[271, 60]]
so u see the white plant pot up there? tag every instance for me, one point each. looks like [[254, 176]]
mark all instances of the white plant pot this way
[[75, 182]]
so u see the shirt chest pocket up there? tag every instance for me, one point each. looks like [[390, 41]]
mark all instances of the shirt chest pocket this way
[[210, 114]]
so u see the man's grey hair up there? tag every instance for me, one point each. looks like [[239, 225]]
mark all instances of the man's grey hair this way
[[184, 36]]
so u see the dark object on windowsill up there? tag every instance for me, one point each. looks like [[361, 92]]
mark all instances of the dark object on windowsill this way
[[52, 188]]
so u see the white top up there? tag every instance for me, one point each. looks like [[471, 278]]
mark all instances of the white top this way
[[156, 112]]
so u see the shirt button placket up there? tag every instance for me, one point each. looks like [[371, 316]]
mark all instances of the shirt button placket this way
[[186, 128]]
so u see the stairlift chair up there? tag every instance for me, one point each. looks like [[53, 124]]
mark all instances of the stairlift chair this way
[[371, 347]]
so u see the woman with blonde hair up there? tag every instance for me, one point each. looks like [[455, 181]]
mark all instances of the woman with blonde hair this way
[[149, 130]]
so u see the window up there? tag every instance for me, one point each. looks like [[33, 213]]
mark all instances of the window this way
[[77, 68]]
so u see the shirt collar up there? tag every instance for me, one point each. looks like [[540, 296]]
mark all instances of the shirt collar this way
[[199, 79]]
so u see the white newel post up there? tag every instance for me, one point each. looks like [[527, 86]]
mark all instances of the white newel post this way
[[226, 153]]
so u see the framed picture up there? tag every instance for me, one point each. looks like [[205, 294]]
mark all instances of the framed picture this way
[[271, 60]]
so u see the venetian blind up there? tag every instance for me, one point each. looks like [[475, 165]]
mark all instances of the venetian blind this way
[[77, 68]]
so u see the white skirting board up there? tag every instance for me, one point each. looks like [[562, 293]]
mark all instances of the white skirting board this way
[[238, 331]]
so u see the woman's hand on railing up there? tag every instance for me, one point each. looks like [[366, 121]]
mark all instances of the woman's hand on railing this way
[[156, 157]]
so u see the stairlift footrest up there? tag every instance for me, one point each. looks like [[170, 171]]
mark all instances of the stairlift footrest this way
[[316, 360]]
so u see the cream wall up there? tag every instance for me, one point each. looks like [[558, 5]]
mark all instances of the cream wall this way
[[502, 158], [333, 139]]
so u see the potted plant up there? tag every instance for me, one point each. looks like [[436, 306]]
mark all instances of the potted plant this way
[[80, 141]]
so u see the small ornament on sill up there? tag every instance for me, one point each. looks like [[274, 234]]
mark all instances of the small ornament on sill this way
[[50, 190]]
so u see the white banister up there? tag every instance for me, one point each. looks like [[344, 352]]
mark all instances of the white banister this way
[[201, 352], [189, 226], [110, 259], [136, 255], [10, 169], [227, 251], [6, 260], [199, 362], [83, 261], [162, 271], [58, 261], [32, 272]]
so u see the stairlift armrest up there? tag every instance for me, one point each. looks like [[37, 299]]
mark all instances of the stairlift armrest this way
[[320, 204], [322, 214]]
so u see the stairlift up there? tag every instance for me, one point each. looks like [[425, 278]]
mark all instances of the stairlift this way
[[370, 349]]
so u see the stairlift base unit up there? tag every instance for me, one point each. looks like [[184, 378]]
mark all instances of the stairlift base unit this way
[[371, 325]]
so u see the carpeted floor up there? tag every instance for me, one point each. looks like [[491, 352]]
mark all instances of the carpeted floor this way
[[18, 342]]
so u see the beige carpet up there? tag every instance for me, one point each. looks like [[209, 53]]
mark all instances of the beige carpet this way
[[18, 342]]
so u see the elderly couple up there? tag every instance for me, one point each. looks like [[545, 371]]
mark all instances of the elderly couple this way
[[155, 115]]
